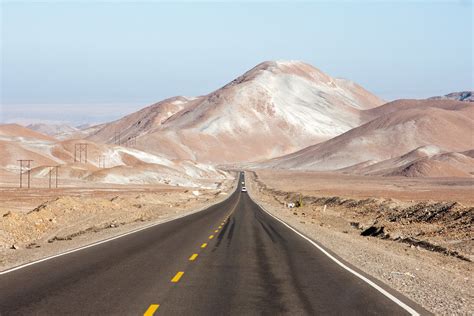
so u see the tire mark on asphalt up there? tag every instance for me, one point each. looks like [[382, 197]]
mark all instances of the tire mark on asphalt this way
[[267, 231], [272, 295], [221, 235], [295, 283], [231, 232]]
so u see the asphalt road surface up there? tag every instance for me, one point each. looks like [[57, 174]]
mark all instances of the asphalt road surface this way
[[231, 259]]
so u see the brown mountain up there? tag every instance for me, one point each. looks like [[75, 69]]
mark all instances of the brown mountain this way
[[273, 109], [405, 132]]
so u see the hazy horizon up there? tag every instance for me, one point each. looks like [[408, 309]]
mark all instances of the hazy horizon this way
[[94, 62]]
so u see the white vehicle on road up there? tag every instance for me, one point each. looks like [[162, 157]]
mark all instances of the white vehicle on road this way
[[244, 189]]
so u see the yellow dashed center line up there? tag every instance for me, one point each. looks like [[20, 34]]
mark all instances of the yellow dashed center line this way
[[153, 307], [178, 276], [151, 310]]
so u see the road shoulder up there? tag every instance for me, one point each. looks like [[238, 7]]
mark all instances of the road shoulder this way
[[109, 224], [429, 279]]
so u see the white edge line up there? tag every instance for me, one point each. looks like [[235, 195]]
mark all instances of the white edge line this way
[[360, 276], [114, 237]]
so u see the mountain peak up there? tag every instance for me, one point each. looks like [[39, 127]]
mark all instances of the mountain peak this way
[[291, 103], [267, 71], [295, 67]]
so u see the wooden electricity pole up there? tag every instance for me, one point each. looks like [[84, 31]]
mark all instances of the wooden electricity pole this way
[[50, 174], [78, 150], [117, 138], [57, 176], [102, 161], [27, 164]]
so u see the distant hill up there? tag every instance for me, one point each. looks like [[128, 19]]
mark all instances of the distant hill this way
[[273, 109], [17, 131], [105, 163], [467, 96], [406, 137], [52, 129]]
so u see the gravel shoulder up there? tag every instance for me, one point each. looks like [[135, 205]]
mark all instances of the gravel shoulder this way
[[440, 282], [50, 224]]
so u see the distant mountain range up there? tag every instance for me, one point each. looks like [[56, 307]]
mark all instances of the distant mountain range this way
[[290, 115], [52, 129], [407, 137], [467, 96]]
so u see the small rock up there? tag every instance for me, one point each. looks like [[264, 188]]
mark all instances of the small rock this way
[[409, 274]]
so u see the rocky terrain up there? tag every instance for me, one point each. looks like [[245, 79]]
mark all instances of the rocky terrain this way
[[422, 248], [467, 96], [39, 223]]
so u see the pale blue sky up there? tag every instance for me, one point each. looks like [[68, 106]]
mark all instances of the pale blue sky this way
[[88, 61]]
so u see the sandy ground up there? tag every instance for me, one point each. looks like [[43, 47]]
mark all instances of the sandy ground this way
[[401, 188], [37, 223], [337, 210]]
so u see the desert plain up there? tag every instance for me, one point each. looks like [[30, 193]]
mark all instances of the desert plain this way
[[386, 187], [415, 234]]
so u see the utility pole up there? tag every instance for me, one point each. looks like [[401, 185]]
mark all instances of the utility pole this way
[[27, 164], [52, 169], [78, 150], [57, 170], [117, 138], [50, 175], [102, 161]]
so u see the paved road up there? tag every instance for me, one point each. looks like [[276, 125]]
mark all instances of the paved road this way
[[231, 259]]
